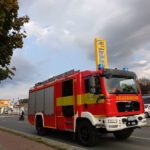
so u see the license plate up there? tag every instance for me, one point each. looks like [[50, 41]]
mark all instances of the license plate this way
[[131, 118]]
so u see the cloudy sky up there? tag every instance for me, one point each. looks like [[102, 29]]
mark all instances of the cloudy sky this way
[[61, 37]]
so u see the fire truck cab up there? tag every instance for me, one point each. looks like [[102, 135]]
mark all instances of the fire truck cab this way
[[87, 103]]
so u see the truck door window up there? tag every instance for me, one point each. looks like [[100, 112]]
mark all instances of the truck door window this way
[[87, 85], [67, 88], [92, 85]]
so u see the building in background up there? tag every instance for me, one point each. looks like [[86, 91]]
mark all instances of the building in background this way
[[11, 107], [23, 105]]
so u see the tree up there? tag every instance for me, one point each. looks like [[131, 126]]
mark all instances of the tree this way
[[145, 85], [23, 101], [11, 35]]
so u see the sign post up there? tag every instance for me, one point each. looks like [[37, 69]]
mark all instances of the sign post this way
[[101, 53]]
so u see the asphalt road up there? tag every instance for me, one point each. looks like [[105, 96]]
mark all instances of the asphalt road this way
[[140, 139]]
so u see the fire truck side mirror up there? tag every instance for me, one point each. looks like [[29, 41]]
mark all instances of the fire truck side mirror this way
[[92, 85]]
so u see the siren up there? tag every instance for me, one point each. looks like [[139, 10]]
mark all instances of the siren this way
[[125, 69], [100, 66]]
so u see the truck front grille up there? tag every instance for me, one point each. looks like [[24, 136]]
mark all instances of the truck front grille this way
[[129, 106]]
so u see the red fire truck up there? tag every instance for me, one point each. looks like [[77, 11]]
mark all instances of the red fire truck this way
[[87, 103]]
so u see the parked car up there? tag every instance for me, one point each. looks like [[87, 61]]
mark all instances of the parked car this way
[[146, 99], [147, 105], [147, 110]]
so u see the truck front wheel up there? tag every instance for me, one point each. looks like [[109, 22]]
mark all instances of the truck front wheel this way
[[86, 133], [123, 134]]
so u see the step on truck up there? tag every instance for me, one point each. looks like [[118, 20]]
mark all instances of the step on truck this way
[[88, 103]]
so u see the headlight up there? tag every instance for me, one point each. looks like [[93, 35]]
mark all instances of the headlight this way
[[112, 121]]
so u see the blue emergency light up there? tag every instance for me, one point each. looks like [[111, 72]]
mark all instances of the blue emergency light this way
[[100, 66], [125, 69]]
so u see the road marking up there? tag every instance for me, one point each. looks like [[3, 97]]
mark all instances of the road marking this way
[[142, 138]]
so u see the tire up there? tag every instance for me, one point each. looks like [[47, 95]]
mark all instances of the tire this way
[[146, 115], [86, 133], [39, 127], [123, 134]]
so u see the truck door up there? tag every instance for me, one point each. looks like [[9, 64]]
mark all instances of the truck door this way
[[93, 97], [68, 98]]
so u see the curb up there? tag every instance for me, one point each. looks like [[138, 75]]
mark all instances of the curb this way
[[148, 122], [48, 142]]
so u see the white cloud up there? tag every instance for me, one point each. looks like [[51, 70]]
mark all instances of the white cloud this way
[[142, 62], [49, 35], [36, 30]]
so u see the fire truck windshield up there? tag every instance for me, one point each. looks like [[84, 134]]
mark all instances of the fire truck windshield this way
[[121, 85]]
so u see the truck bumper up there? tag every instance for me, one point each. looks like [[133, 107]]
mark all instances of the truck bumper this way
[[120, 123]]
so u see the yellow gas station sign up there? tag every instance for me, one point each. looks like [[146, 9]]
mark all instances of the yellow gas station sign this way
[[4, 102], [101, 52]]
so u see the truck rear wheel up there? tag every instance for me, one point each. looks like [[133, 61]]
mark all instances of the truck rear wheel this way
[[39, 127], [86, 133], [123, 134]]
